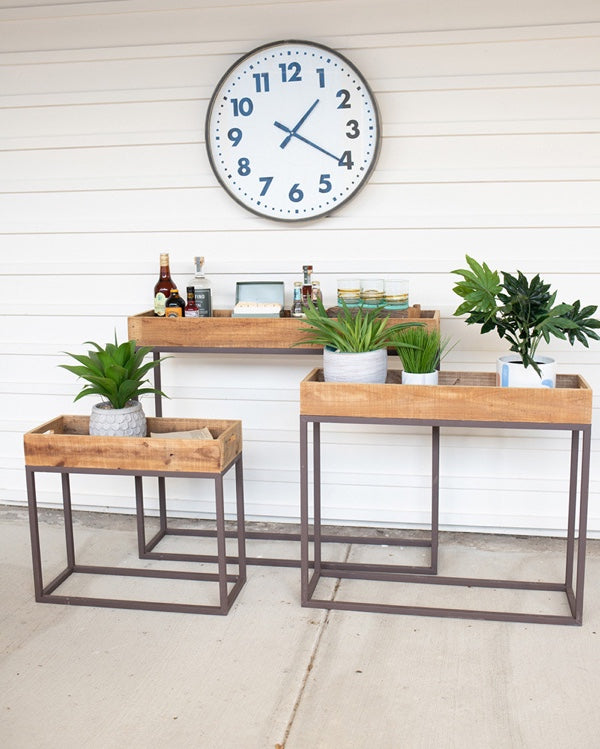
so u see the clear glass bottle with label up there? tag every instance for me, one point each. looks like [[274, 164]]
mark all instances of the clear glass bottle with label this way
[[297, 310], [202, 288], [317, 294], [307, 284]]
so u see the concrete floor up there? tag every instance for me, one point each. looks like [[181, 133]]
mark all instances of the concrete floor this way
[[272, 674]]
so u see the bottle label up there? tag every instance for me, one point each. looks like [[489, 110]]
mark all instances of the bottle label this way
[[192, 312], [159, 304], [173, 312], [203, 302]]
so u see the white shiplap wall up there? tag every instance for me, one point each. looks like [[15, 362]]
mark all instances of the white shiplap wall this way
[[491, 146]]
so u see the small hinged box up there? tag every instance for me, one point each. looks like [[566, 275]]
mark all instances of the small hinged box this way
[[259, 299]]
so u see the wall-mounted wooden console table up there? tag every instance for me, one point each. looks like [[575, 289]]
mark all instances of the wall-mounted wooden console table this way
[[460, 400], [64, 446], [223, 334], [239, 335]]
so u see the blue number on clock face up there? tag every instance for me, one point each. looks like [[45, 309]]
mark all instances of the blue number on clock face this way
[[306, 125]]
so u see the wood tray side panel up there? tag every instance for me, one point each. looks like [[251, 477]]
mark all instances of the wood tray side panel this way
[[227, 332], [81, 450], [447, 402]]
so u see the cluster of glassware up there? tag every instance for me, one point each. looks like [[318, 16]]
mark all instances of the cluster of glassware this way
[[373, 292]]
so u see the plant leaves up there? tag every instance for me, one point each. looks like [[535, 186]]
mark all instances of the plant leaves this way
[[116, 372]]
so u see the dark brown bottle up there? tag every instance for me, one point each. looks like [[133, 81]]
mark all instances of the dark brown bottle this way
[[191, 308], [163, 287], [174, 306]]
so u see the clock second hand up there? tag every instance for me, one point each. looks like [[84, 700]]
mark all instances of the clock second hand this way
[[305, 140]]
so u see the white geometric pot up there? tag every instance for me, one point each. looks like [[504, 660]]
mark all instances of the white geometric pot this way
[[510, 372], [367, 366], [106, 421], [420, 378]]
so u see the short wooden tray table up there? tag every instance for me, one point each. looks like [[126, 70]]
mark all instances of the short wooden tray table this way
[[462, 399], [63, 445]]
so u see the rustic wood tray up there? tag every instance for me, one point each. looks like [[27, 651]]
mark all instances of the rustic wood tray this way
[[226, 332], [64, 441], [459, 396]]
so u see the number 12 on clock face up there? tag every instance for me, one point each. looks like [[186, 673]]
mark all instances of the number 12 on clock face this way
[[292, 131]]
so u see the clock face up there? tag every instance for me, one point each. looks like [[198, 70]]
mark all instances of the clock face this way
[[292, 131]]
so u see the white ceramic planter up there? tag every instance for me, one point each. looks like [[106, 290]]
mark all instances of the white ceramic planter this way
[[118, 422], [419, 378], [368, 366], [510, 372]]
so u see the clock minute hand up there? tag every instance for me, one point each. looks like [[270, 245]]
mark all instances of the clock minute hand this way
[[304, 140], [298, 125], [314, 145]]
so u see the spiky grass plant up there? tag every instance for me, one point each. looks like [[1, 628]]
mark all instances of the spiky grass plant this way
[[354, 330], [421, 350], [115, 372]]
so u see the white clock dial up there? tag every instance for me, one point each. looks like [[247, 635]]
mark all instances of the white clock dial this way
[[292, 131]]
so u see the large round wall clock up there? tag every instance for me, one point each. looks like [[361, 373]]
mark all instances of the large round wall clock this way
[[292, 131]]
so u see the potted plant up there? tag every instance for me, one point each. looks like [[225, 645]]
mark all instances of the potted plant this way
[[421, 351], [524, 312], [355, 342], [115, 372]]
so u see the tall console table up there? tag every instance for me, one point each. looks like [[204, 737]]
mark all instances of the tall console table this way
[[224, 334], [462, 399]]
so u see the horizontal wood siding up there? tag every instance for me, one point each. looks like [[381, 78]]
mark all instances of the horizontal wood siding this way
[[491, 146]]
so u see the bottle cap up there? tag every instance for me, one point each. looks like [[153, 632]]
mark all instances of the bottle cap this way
[[164, 258]]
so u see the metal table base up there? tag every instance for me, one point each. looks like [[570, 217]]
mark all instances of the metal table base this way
[[45, 592], [147, 550], [312, 570]]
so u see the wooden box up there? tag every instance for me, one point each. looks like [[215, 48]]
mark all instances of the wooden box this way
[[459, 396], [225, 332], [64, 441]]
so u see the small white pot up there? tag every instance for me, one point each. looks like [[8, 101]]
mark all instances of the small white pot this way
[[510, 372], [419, 378], [118, 422], [368, 366]]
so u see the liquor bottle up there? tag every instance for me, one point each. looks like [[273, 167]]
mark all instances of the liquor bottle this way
[[202, 290], [174, 306], [191, 308], [297, 310], [307, 284], [163, 286], [317, 294]]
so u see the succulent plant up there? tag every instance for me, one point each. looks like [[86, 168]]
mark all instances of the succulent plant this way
[[114, 371]]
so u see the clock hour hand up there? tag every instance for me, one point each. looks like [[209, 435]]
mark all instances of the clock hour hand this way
[[298, 125], [282, 127]]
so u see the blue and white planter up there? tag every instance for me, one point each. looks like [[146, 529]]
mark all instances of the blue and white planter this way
[[510, 372]]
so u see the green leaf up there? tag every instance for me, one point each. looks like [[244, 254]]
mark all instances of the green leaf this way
[[116, 372], [522, 311]]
